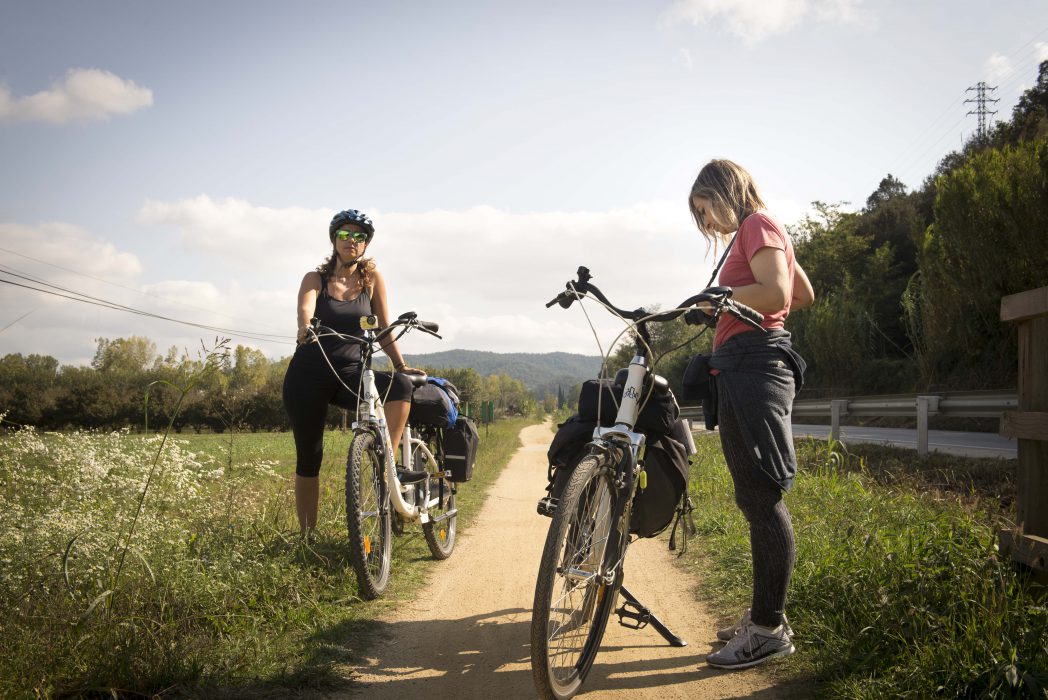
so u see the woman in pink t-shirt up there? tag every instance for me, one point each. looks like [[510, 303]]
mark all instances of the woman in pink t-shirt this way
[[757, 374]]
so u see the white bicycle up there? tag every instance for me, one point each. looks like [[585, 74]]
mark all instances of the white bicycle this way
[[581, 571], [376, 493]]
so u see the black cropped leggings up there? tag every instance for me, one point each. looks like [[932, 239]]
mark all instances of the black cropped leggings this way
[[772, 544], [310, 385]]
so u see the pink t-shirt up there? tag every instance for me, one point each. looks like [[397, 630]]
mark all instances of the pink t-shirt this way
[[759, 230]]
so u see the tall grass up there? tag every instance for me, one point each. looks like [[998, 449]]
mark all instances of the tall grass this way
[[217, 593], [899, 590]]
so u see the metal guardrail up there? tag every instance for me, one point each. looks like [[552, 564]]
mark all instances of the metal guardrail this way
[[961, 404]]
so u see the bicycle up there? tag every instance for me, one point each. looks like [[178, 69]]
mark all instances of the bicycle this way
[[581, 570], [376, 491]]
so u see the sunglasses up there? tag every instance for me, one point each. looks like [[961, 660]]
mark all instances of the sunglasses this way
[[357, 236]]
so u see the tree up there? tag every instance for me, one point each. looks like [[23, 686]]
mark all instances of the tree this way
[[987, 241], [124, 355]]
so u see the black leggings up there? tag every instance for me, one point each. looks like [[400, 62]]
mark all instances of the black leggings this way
[[310, 385], [772, 544]]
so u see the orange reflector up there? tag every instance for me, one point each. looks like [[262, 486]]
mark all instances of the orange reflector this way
[[367, 545]]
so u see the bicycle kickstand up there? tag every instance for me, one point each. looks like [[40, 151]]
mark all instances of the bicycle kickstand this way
[[633, 609]]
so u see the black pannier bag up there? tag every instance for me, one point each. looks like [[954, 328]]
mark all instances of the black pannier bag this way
[[435, 403], [667, 466], [657, 416], [665, 461], [566, 451], [460, 448]]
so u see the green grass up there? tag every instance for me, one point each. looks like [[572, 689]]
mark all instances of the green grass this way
[[217, 594], [899, 591]]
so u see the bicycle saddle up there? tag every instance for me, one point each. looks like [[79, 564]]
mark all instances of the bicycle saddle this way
[[417, 380]]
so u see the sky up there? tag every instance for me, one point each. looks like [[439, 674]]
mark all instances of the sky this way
[[184, 159]]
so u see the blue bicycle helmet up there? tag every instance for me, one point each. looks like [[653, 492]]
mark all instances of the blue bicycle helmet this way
[[351, 216]]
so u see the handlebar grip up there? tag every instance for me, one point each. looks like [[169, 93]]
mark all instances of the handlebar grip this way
[[746, 313], [430, 326]]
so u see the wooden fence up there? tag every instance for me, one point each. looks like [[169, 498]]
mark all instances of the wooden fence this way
[[1028, 543]]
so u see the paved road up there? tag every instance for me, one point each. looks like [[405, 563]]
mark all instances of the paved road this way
[[946, 441]]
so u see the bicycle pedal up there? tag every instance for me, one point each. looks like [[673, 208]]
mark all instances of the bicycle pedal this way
[[409, 476], [547, 506], [640, 615]]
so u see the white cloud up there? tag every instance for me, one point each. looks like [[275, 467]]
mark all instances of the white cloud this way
[[997, 68], [482, 273], [686, 59], [70, 258], [69, 246], [1042, 51], [755, 20], [85, 94], [241, 233]]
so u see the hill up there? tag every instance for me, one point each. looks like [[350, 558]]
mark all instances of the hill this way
[[540, 372]]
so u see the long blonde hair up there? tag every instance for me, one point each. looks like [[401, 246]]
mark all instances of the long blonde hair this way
[[731, 191]]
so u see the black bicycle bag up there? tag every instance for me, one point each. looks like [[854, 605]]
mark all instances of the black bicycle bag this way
[[460, 448], [435, 403], [666, 466], [602, 397], [666, 463]]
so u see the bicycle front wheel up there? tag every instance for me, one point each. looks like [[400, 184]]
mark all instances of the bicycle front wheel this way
[[368, 516], [573, 595]]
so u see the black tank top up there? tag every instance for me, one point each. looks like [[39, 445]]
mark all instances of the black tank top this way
[[344, 317]]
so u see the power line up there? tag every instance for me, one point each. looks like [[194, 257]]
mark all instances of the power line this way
[[114, 284], [104, 303]]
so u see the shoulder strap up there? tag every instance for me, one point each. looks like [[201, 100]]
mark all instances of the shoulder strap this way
[[722, 259]]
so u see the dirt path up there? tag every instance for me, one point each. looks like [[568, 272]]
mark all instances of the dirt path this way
[[466, 636]]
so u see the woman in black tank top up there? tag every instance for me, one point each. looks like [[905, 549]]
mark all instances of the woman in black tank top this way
[[346, 287]]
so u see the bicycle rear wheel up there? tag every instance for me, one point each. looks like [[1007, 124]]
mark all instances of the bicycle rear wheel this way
[[573, 596], [368, 516], [440, 530]]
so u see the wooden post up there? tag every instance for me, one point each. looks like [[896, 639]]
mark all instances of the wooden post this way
[[1029, 543]]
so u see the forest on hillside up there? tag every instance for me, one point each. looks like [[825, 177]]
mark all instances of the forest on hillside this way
[[908, 288]]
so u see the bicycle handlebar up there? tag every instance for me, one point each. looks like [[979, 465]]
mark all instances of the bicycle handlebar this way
[[718, 297], [407, 321]]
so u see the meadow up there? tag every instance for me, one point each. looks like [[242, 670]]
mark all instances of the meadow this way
[[138, 566], [899, 589]]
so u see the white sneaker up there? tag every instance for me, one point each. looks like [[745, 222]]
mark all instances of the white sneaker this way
[[751, 646], [728, 632]]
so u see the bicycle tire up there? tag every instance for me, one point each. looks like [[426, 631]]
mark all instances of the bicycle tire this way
[[368, 515], [563, 646], [440, 535]]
